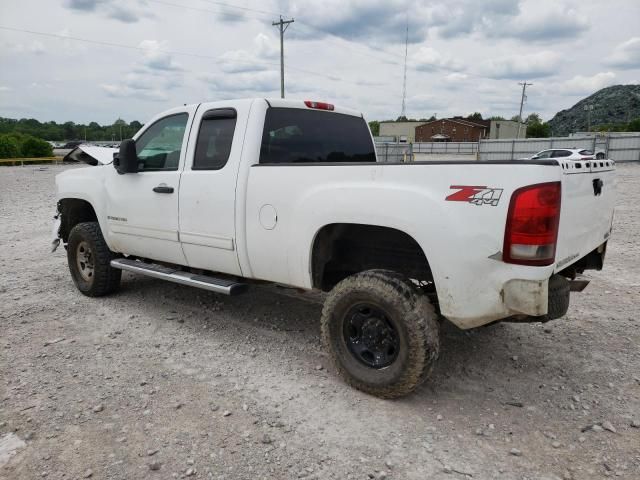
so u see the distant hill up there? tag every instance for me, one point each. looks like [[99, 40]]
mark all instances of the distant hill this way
[[616, 104]]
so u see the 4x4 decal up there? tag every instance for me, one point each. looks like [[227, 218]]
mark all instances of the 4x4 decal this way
[[477, 195]]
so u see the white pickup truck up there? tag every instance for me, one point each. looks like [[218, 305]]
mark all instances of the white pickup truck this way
[[222, 195]]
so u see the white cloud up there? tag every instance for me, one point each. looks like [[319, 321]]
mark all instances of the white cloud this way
[[429, 59], [626, 54], [539, 21], [583, 85], [454, 77], [129, 12], [263, 56], [464, 55], [156, 58], [34, 46], [427, 103], [243, 84], [527, 66], [126, 91], [4, 88]]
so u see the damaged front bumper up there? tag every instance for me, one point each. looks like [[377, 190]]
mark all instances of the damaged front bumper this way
[[55, 232]]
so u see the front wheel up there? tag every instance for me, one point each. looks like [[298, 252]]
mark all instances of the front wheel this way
[[382, 333], [89, 261]]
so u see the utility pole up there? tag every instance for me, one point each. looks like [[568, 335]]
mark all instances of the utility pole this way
[[524, 88], [282, 25]]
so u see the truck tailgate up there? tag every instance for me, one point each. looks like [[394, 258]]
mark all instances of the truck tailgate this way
[[588, 200]]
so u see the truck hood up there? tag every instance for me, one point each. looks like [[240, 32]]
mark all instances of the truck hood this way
[[91, 155]]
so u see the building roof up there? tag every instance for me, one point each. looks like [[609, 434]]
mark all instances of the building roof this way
[[466, 123], [402, 123]]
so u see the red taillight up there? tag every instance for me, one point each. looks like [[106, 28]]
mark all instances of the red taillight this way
[[318, 105], [532, 225]]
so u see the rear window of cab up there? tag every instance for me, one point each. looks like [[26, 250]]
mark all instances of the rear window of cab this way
[[294, 135]]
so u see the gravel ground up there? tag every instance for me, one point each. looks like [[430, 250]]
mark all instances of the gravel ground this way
[[165, 381]]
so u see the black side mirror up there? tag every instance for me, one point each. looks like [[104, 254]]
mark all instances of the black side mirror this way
[[127, 159]]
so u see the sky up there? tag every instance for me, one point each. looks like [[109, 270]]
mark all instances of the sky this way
[[99, 60]]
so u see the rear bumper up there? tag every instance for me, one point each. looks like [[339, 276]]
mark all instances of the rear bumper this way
[[526, 297], [507, 293]]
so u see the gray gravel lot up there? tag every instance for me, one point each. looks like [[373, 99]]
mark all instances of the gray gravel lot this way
[[165, 381]]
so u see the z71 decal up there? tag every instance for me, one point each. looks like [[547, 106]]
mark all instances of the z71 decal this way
[[477, 195]]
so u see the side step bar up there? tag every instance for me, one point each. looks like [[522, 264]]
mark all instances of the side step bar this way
[[213, 284]]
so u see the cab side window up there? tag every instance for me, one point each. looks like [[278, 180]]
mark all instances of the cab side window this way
[[215, 138], [159, 147]]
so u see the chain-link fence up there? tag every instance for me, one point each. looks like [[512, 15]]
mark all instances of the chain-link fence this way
[[623, 148]]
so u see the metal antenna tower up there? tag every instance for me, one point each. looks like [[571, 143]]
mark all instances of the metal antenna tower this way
[[404, 82]]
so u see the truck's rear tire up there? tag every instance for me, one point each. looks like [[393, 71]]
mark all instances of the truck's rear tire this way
[[382, 333], [89, 261]]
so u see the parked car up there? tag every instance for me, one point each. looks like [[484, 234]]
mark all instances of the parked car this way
[[564, 153], [73, 144], [228, 194]]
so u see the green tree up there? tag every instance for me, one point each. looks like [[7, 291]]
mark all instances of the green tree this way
[[538, 130], [374, 125], [497, 117], [533, 118], [68, 130], [9, 146], [35, 147], [474, 116], [634, 125]]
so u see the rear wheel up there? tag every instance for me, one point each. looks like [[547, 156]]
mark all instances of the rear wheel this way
[[382, 333], [89, 261]]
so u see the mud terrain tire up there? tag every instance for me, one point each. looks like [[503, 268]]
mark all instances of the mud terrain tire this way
[[89, 261], [381, 332]]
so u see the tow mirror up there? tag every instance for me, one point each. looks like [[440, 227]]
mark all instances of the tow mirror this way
[[127, 159]]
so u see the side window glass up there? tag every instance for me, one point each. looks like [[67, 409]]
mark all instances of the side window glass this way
[[544, 154], [214, 139], [159, 147]]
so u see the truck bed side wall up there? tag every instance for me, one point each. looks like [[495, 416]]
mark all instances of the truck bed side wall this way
[[458, 237]]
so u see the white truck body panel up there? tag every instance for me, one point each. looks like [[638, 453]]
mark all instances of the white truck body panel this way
[[585, 218], [459, 239], [209, 237], [260, 221]]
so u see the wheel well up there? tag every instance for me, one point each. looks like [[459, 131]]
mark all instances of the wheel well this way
[[74, 211], [342, 249]]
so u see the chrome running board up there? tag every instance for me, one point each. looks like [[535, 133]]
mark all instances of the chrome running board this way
[[206, 282]]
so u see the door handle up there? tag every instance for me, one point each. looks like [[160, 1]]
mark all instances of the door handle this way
[[163, 189]]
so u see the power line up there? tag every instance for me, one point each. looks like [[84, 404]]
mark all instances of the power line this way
[[173, 52], [247, 9], [264, 13]]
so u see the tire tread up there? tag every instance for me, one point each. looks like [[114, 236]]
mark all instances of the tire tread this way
[[421, 322]]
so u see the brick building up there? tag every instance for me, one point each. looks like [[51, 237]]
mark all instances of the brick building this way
[[455, 129]]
